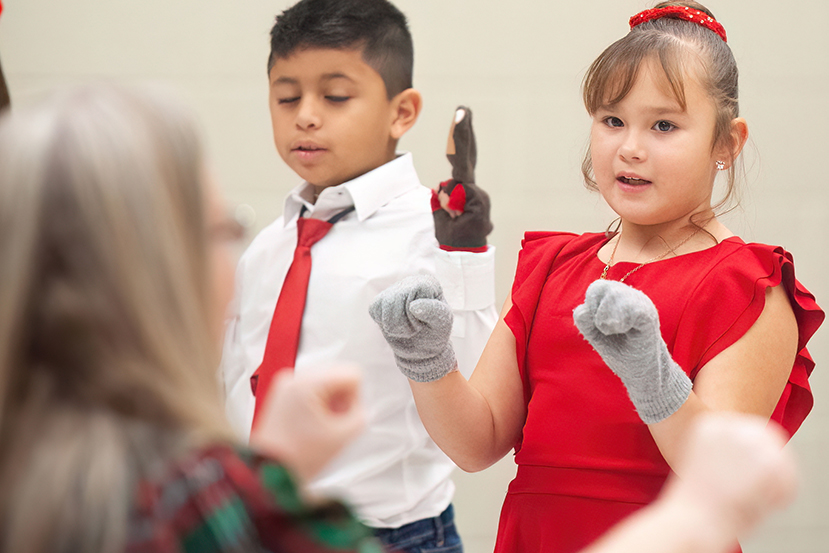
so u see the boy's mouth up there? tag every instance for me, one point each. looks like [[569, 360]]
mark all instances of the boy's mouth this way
[[307, 148], [308, 153]]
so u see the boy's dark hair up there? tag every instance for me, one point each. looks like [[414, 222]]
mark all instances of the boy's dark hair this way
[[376, 26]]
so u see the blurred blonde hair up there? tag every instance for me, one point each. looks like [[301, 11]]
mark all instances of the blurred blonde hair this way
[[107, 361]]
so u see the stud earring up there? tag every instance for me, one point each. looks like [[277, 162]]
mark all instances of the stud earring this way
[[720, 165]]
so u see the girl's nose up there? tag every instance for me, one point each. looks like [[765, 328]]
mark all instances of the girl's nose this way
[[632, 148]]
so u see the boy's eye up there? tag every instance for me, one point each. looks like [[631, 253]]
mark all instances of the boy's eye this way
[[337, 99], [613, 122], [290, 100], [664, 126]]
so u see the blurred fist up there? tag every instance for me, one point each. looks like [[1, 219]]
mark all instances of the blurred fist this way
[[735, 467], [309, 418]]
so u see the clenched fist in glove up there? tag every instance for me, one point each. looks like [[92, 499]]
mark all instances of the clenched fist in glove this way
[[622, 325], [416, 321]]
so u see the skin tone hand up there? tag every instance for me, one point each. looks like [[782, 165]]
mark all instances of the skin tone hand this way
[[736, 465], [736, 473], [443, 197], [309, 418]]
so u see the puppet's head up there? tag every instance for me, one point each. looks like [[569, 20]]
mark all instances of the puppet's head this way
[[461, 151]]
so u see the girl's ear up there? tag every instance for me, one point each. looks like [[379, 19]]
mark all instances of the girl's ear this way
[[405, 109], [739, 135]]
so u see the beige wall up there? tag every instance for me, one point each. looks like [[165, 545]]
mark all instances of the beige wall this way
[[518, 64]]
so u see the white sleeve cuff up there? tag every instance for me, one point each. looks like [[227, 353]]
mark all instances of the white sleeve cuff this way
[[467, 278]]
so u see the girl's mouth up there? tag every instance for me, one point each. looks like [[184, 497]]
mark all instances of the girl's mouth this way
[[633, 181]]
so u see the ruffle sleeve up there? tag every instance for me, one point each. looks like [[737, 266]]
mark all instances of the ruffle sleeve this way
[[736, 290], [540, 251]]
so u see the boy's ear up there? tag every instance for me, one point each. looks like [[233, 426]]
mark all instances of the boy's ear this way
[[405, 109]]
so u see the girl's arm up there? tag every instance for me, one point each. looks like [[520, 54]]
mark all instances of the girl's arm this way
[[747, 377], [623, 326], [477, 422], [474, 422]]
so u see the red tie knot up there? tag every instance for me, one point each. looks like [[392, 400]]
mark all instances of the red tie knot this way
[[310, 231]]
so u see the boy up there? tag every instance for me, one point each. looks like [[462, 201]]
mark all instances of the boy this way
[[341, 96]]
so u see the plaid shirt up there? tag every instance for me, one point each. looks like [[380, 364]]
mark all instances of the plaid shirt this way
[[222, 499]]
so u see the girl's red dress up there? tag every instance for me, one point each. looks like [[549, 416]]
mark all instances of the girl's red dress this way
[[585, 460]]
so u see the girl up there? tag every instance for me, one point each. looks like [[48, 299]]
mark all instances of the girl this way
[[114, 282], [734, 319]]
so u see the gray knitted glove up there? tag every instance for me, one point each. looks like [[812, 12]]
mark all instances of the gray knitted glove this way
[[622, 325], [416, 321]]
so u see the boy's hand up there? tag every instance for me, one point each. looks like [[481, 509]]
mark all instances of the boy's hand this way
[[459, 206], [622, 325], [735, 469], [309, 418], [416, 321]]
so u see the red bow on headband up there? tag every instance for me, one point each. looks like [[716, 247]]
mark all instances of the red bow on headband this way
[[680, 12]]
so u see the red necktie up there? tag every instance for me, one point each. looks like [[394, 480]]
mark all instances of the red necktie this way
[[283, 336]]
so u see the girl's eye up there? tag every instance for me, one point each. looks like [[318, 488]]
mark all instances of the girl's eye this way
[[337, 99], [664, 126], [613, 122], [290, 100]]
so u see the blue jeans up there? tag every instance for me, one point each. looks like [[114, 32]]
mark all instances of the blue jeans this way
[[430, 535]]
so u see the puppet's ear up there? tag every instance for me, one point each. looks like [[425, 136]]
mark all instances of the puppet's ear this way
[[460, 113], [463, 154]]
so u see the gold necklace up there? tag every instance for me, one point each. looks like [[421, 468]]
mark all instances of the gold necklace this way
[[609, 263]]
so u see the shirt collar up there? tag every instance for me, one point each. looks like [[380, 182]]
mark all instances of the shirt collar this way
[[367, 193]]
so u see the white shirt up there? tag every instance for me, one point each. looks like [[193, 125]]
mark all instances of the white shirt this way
[[393, 474]]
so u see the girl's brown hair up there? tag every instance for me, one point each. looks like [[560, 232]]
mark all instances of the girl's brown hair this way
[[681, 48], [107, 361]]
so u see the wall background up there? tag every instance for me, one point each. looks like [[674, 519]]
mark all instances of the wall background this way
[[518, 64]]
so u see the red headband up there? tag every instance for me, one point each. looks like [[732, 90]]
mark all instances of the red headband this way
[[680, 12]]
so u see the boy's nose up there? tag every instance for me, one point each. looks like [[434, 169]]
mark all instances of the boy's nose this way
[[308, 116]]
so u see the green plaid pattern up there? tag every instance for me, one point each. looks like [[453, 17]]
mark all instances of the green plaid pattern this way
[[222, 500]]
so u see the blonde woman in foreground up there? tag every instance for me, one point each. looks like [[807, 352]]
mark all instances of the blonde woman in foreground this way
[[115, 276]]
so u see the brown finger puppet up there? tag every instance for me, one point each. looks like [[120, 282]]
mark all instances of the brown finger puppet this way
[[459, 206], [4, 90]]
